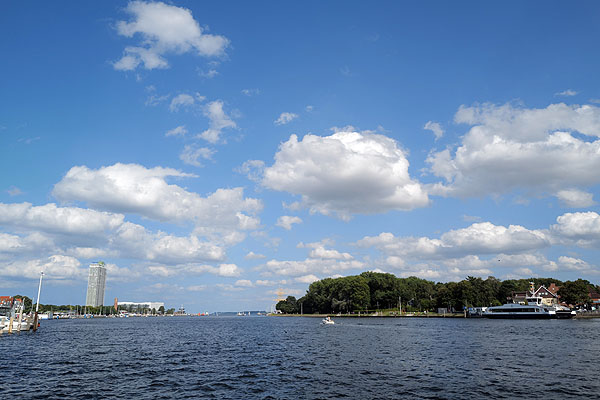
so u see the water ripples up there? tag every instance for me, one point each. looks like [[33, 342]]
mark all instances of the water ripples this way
[[297, 358]]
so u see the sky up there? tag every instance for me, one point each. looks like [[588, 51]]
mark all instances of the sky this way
[[218, 155]]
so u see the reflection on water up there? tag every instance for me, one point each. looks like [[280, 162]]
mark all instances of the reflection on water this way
[[293, 358]]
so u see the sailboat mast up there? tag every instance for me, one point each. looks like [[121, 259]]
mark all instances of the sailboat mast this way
[[37, 307]]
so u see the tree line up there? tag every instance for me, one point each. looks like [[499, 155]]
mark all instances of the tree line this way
[[375, 291], [104, 310]]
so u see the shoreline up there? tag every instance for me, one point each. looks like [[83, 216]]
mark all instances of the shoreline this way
[[432, 315]]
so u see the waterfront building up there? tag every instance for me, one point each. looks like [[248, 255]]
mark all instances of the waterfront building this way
[[548, 297], [142, 307], [96, 284]]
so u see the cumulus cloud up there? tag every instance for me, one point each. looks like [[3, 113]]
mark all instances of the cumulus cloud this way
[[510, 147], [224, 270], [308, 279], [164, 29], [88, 234], [254, 256], [328, 254], [479, 238], [243, 283], [581, 229], [64, 220], [285, 118], [345, 173], [264, 282], [483, 248], [132, 188], [191, 155], [287, 221], [9, 243], [218, 121], [55, 267], [436, 128], [114, 273], [324, 267], [575, 198], [135, 241]]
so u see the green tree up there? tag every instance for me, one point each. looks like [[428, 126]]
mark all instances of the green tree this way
[[575, 292], [288, 306], [161, 310]]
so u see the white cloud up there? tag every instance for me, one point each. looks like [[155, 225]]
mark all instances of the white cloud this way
[[228, 288], [179, 131], [253, 169], [436, 128], [85, 233], [154, 99], [10, 243], [229, 270], [308, 279], [309, 108], [512, 147], [262, 282], [63, 220], [196, 288], [182, 100], [114, 273], [285, 118], [243, 283], [573, 264], [568, 93], [132, 188], [287, 221], [191, 154], [218, 120], [90, 252], [575, 198], [211, 73], [479, 238], [329, 254], [224, 270], [164, 29], [254, 256], [55, 267], [346, 173], [471, 262], [524, 272], [581, 229], [309, 266], [134, 241]]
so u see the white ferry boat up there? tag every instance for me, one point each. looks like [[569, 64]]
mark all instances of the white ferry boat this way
[[533, 309]]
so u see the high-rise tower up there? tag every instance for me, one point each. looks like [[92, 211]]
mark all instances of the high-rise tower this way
[[96, 281]]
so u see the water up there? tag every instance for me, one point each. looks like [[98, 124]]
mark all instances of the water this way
[[297, 358]]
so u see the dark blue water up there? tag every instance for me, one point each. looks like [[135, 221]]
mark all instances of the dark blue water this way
[[297, 358]]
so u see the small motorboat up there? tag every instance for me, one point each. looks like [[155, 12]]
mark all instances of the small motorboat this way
[[327, 321]]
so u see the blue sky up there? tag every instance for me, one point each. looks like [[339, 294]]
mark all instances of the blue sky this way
[[214, 153]]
